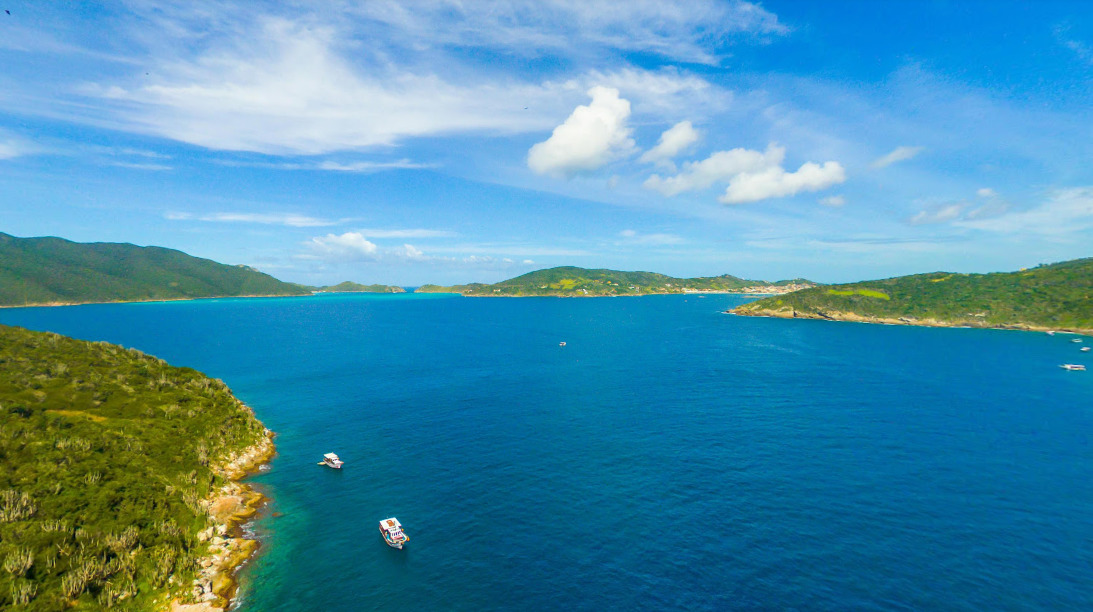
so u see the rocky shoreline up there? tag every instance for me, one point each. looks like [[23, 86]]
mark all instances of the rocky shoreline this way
[[230, 508], [856, 318]]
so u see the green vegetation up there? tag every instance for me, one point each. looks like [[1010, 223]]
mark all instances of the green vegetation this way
[[351, 287], [106, 458], [572, 281], [53, 270], [866, 292], [1056, 296]]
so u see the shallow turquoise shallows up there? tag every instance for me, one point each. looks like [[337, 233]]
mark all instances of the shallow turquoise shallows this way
[[668, 457]]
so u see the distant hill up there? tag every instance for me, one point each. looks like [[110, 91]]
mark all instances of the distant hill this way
[[570, 281], [351, 287], [54, 270], [1055, 296]]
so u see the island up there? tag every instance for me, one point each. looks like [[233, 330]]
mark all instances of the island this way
[[571, 281], [53, 271], [351, 287], [119, 478], [1055, 296]]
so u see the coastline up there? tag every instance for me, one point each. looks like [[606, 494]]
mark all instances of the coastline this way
[[150, 300], [230, 508], [610, 295], [855, 318]]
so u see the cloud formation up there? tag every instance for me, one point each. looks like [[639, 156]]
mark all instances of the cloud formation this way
[[590, 137], [350, 246], [752, 176], [672, 142], [896, 155], [833, 201]]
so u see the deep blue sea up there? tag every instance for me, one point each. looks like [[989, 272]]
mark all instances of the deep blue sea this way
[[669, 457]]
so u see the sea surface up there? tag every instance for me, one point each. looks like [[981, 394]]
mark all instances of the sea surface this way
[[668, 457]]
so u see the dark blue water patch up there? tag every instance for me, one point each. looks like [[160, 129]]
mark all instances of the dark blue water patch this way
[[669, 456]]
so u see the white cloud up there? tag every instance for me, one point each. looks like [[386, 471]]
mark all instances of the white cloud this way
[[349, 246], [283, 87], [527, 262], [591, 137], [777, 183], [288, 219], [672, 142], [408, 251], [897, 155], [834, 201], [718, 167], [752, 176], [1066, 211], [986, 192]]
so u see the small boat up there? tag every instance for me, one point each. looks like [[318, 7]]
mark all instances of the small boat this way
[[331, 460], [1051, 333], [1073, 367], [1085, 349], [561, 344], [1077, 340], [392, 533]]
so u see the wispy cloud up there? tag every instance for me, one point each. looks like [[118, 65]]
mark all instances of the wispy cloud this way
[[692, 32], [634, 237], [407, 233], [896, 155], [834, 201], [1065, 212], [371, 166], [142, 166], [287, 219]]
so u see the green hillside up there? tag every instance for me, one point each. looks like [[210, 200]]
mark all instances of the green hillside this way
[[570, 281], [351, 287], [54, 270], [1056, 296], [106, 458]]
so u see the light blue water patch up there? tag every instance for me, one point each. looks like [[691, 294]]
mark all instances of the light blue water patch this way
[[669, 456]]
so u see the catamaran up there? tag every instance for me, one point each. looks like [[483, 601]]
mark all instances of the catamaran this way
[[331, 460], [392, 533]]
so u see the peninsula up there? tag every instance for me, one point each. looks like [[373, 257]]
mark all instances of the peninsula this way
[[119, 478], [570, 281], [351, 287], [1048, 297], [48, 271]]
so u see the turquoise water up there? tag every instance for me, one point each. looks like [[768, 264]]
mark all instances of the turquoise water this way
[[668, 457]]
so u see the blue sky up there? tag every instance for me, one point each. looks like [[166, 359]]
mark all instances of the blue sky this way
[[446, 142]]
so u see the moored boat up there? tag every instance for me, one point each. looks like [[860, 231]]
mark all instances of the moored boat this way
[[393, 533], [331, 460], [1074, 367]]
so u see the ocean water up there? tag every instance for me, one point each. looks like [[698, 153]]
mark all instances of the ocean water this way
[[669, 457]]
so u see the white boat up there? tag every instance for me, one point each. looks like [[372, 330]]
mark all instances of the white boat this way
[[1077, 340], [331, 460], [1051, 333], [561, 344], [1085, 349], [392, 533], [1074, 367]]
